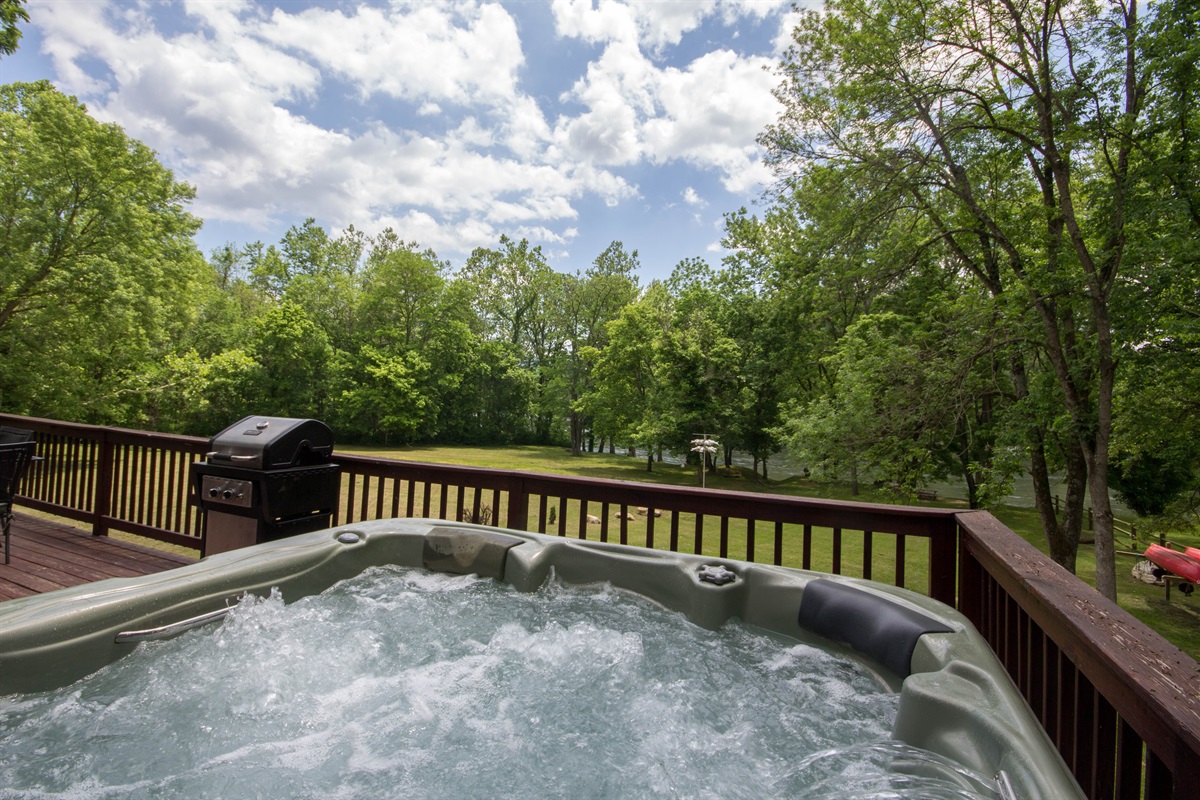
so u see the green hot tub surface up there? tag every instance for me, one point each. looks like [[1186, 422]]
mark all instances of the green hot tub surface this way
[[955, 698]]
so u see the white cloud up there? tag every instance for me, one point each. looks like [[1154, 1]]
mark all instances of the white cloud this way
[[712, 112], [654, 25], [417, 114], [450, 53], [605, 22], [707, 113]]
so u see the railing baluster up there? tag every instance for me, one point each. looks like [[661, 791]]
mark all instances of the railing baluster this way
[[380, 496], [1104, 756], [363, 498], [1130, 752], [1158, 783], [1086, 724], [351, 496], [867, 547]]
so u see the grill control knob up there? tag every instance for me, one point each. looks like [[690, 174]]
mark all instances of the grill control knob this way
[[227, 494], [213, 492]]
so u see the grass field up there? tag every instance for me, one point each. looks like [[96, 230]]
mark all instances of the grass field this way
[[1178, 620]]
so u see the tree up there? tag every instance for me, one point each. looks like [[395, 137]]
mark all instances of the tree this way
[[203, 394], [1156, 440], [294, 355], [625, 399], [321, 275], [11, 12], [994, 120], [509, 284], [401, 291], [385, 397], [97, 262], [606, 287], [698, 362]]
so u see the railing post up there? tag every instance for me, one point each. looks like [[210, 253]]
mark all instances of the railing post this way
[[943, 558], [102, 501], [518, 505], [970, 583]]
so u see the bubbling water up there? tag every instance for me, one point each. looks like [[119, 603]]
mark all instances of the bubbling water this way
[[406, 684]]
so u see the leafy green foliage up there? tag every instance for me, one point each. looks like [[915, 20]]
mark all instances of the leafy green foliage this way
[[11, 13], [97, 264]]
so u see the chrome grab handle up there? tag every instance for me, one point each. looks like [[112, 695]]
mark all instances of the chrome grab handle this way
[[227, 457], [173, 628]]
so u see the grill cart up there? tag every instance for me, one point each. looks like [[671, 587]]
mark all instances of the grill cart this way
[[265, 478]]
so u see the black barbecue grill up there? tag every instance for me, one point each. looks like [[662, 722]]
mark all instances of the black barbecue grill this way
[[265, 478]]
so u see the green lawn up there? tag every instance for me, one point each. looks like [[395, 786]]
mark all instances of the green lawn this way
[[1177, 620]]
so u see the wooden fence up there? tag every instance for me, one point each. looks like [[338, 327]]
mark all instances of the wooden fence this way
[[1121, 704]]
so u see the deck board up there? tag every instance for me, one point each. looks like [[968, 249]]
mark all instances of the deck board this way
[[48, 555]]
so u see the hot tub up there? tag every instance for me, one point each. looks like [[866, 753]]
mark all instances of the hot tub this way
[[953, 699]]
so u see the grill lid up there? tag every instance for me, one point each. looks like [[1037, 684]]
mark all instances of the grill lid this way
[[272, 443]]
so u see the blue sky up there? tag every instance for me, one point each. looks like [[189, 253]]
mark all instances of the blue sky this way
[[570, 123]]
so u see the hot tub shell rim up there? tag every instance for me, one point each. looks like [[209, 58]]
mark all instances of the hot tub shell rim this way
[[954, 676]]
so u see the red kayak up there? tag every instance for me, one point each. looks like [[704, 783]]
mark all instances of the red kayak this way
[[1182, 564], [1194, 552]]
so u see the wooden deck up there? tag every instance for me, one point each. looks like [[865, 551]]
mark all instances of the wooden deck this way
[[47, 556]]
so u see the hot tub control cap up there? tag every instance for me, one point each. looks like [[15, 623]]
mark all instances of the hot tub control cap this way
[[715, 573], [348, 537]]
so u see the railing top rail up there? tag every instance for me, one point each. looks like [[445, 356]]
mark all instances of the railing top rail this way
[[96, 433], [1151, 683]]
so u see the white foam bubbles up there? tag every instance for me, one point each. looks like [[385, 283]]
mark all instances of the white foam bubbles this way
[[402, 683]]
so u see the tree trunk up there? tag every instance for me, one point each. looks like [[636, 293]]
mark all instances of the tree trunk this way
[[964, 462], [1064, 547], [1097, 464], [576, 434]]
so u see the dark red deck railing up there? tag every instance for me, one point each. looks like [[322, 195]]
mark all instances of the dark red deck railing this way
[[1120, 703]]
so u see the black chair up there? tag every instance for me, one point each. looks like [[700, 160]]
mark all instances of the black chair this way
[[12, 435], [15, 458]]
